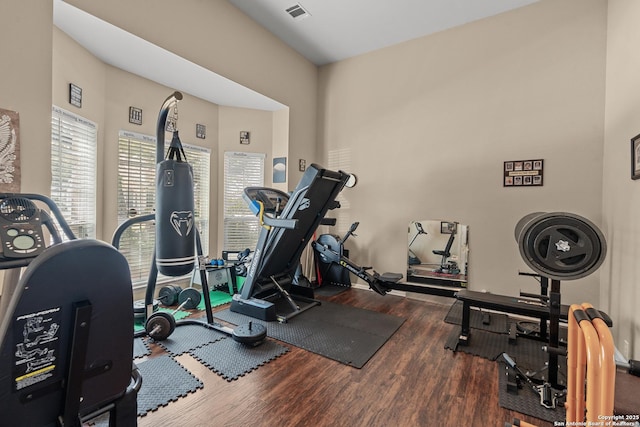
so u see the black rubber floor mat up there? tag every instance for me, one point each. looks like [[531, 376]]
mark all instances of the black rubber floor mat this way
[[526, 401], [163, 381], [481, 343], [498, 322], [140, 348], [231, 359], [189, 337], [346, 334], [329, 290]]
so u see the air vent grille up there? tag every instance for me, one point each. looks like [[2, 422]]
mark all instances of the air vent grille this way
[[297, 11]]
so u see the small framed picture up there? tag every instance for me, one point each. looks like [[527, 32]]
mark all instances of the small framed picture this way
[[635, 157]]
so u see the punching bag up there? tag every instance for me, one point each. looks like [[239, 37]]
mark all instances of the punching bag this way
[[175, 226]]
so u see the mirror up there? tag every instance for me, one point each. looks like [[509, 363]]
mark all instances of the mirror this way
[[438, 253]]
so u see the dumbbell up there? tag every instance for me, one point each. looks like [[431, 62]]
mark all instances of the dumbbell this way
[[172, 294], [160, 325]]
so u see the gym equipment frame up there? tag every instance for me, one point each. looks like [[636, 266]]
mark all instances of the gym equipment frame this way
[[329, 252], [66, 337], [558, 246], [179, 240]]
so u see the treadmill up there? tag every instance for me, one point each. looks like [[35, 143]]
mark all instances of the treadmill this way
[[272, 290]]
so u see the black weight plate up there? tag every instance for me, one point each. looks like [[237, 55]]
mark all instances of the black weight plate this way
[[251, 333], [561, 246], [160, 325], [138, 306], [523, 224], [168, 295], [192, 295]]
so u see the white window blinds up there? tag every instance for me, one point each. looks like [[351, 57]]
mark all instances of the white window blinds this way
[[73, 170], [241, 226], [136, 196]]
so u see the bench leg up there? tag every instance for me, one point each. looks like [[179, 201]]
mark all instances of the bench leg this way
[[463, 339]]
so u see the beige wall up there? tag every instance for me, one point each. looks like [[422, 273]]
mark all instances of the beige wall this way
[[107, 94], [73, 64], [217, 36], [25, 85], [621, 196], [427, 125]]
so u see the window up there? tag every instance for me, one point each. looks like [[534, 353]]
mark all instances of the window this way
[[136, 196], [241, 226], [73, 170]]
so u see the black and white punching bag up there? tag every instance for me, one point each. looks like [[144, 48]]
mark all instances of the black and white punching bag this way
[[175, 226]]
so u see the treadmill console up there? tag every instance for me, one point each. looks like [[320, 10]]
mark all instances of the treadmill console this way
[[273, 200], [20, 228]]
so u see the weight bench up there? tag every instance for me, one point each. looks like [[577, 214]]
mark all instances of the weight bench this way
[[66, 336], [288, 223], [504, 304]]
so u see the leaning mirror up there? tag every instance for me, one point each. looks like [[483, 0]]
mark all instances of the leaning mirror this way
[[438, 253]]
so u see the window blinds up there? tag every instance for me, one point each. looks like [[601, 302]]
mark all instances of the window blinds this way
[[73, 170], [136, 196], [241, 226]]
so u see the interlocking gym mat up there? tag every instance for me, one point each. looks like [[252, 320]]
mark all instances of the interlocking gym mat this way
[[481, 343], [140, 348], [189, 337], [498, 321], [528, 354], [346, 334], [163, 380], [231, 359], [526, 401]]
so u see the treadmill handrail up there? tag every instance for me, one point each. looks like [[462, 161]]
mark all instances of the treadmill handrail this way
[[289, 224]]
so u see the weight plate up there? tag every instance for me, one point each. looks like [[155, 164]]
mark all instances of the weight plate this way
[[160, 325], [192, 295], [168, 295], [251, 333], [524, 222], [138, 306], [560, 246]]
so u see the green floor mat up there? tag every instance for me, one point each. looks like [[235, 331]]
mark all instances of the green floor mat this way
[[217, 298]]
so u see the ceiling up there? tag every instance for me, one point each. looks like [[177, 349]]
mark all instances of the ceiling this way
[[333, 30], [327, 31]]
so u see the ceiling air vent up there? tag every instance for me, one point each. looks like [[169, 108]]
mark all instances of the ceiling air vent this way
[[297, 12]]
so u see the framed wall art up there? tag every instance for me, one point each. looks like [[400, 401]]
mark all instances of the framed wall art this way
[[523, 173]]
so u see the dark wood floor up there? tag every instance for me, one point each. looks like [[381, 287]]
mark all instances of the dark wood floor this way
[[411, 381]]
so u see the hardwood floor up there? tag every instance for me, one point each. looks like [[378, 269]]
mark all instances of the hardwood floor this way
[[411, 381]]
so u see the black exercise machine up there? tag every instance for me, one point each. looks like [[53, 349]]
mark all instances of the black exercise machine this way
[[66, 337], [328, 253], [271, 290], [558, 246]]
